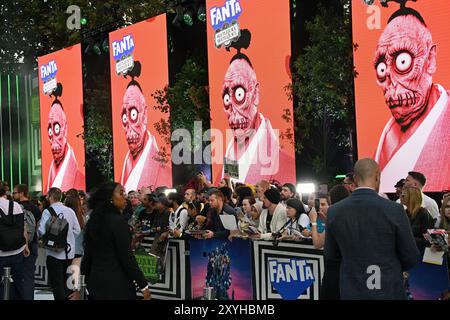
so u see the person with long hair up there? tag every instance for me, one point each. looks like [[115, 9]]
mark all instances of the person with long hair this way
[[74, 203], [443, 221], [419, 217], [108, 264], [297, 220]]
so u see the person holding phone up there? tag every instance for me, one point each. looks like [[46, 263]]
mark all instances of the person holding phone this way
[[318, 217]]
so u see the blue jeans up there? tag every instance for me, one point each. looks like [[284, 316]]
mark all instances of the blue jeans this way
[[16, 264], [29, 268]]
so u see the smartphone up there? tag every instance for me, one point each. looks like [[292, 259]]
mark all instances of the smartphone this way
[[317, 204]]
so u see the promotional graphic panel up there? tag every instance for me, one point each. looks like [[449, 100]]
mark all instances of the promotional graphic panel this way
[[61, 109], [139, 67], [402, 57], [251, 115], [223, 267]]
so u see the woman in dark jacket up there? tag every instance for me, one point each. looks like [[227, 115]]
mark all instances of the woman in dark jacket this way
[[419, 217], [108, 264]]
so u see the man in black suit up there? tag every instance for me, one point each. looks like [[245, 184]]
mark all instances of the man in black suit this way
[[372, 238]]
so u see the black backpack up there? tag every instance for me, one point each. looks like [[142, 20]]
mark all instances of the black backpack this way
[[11, 230], [56, 229]]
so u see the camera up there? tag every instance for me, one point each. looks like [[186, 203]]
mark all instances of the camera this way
[[275, 240]]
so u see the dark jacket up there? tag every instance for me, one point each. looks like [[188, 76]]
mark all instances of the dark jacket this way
[[214, 223], [161, 220], [366, 232], [419, 225], [109, 264]]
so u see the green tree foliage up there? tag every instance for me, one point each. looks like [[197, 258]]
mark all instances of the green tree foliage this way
[[323, 85], [187, 100], [31, 28]]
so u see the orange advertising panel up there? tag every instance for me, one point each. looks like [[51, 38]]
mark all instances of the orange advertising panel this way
[[139, 67], [251, 115], [402, 57], [61, 109]]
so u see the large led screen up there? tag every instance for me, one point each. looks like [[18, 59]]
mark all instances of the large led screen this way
[[402, 57], [139, 67], [249, 49], [61, 110]]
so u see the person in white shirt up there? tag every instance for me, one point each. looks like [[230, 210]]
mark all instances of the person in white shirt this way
[[298, 220], [13, 258], [273, 217], [58, 262], [418, 180], [178, 219]]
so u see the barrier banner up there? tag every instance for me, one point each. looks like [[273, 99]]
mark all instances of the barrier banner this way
[[221, 267]]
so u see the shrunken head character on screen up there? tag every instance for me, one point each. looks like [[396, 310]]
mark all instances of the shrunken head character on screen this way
[[417, 137], [255, 144], [64, 172], [141, 167]]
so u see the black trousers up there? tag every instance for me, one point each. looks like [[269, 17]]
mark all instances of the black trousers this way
[[57, 277]]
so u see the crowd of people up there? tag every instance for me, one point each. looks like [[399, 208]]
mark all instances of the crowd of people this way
[[99, 231]]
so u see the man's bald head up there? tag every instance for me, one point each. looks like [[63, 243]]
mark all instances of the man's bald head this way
[[367, 173]]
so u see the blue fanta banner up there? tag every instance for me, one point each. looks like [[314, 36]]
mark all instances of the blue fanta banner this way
[[225, 14], [290, 277], [48, 70], [123, 47]]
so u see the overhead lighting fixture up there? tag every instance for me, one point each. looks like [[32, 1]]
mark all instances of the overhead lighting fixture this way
[[169, 191], [188, 17], [88, 49], [178, 16], [201, 14], [105, 45], [96, 49], [306, 188]]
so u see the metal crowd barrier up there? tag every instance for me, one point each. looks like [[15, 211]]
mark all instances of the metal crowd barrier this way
[[6, 280], [82, 283]]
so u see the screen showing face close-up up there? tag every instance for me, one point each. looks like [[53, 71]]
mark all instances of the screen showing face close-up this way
[[61, 111], [139, 67], [402, 58], [248, 65]]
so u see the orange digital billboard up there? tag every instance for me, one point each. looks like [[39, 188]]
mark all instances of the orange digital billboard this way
[[402, 56], [139, 67], [61, 110], [249, 48]]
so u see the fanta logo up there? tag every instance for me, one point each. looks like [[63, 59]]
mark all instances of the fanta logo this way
[[228, 13], [123, 47], [290, 277], [48, 70]]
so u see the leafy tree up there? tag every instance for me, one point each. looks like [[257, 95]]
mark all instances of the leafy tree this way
[[187, 100], [323, 86], [30, 29]]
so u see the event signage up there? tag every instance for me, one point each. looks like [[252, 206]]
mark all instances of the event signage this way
[[61, 119], [290, 277], [224, 22], [48, 76], [402, 107], [123, 54], [247, 94], [148, 265], [139, 69]]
